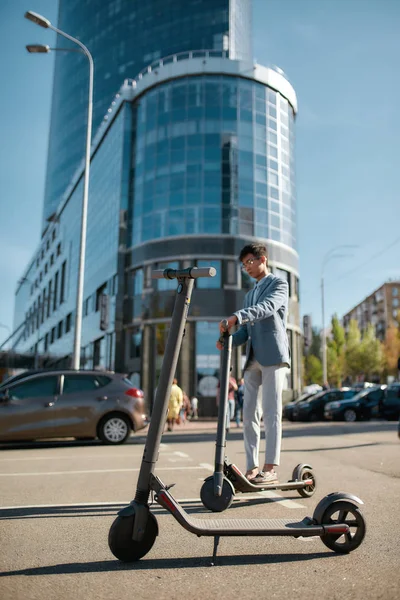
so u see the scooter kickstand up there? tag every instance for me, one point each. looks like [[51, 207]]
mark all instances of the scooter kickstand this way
[[214, 556]]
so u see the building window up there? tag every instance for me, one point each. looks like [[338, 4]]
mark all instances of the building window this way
[[52, 260], [55, 291], [58, 249], [231, 272], [138, 282], [209, 282], [53, 236], [207, 358], [68, 323], [46, 342], [52, 335], [62, 286], [59, 329], [99, 292], [395, 291], [136, 343]]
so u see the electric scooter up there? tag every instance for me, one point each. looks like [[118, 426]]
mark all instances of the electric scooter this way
[[337, 519], [218, 490]]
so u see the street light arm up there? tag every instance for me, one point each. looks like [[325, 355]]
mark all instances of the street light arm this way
[[39, 20]]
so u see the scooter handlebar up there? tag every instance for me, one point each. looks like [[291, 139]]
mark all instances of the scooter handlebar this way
[[190, 273], [224, 324]]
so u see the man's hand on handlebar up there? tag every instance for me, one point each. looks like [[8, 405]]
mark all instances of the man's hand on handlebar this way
[[226, 324]]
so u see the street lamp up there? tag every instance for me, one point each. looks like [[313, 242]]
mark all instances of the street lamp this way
[[328, 256], [39, 20]]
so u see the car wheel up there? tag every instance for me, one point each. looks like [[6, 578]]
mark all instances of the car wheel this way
[[114, 429], [350, 415]]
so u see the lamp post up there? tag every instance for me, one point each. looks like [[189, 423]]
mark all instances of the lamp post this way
[[328, 256], [39, 20]]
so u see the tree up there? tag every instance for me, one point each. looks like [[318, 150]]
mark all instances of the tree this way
[[391, 350], [315, 347], [335, 353], [352, 353], [372, 354], [312, 370]]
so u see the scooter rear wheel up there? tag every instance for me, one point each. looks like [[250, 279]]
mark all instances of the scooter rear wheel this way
[[301, 475], [213, 502], [348, 513], [120, 539]]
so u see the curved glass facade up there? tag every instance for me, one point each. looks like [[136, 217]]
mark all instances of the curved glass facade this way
[[124, 36], [214, 155]]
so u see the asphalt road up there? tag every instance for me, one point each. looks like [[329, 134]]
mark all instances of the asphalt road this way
[[58, 501]]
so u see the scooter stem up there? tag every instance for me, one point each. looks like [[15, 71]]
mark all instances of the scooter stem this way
[[160, 407], [226, 340]]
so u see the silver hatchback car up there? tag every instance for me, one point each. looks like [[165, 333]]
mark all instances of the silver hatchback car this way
[[79, 404]]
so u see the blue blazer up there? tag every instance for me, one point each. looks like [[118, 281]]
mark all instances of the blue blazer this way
[[263, 322]]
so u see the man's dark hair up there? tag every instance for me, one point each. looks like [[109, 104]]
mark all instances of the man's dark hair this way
[[257, 250]]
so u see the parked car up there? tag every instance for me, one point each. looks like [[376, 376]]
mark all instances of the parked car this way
[[390, 405], [287, 412], [357, 408], [313, 409], [67, 403]]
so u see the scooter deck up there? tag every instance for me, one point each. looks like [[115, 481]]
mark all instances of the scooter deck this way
[[242, 484], [244, 527]]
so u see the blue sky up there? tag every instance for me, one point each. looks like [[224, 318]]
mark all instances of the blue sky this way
[[341, 56]]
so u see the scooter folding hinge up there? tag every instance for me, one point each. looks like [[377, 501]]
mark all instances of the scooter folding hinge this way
[[168, 487]]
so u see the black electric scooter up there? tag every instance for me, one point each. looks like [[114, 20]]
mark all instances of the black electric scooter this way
[[218, 490], [336, 519]]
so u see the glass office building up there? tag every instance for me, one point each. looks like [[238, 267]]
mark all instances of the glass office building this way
[[193, 160], [125, 36]]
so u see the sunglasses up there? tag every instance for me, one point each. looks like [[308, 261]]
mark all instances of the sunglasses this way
[[248, 262]]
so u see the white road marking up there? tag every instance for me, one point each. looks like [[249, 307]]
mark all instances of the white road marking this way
[[80, 458], [25, 474], [207, 466]]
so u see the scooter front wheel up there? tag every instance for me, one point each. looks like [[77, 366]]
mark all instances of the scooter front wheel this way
[[120, 539], [350, 514], [213, 502]]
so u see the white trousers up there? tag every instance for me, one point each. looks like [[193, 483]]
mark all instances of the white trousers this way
[[263, 388]]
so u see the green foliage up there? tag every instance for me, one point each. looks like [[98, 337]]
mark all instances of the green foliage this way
[[312, 370], [372, 353], [336, 353], [353, 357], [315, 347]]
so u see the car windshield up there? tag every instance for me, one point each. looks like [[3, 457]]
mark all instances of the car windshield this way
[[363, 393]]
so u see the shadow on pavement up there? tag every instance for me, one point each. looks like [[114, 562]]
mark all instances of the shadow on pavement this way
[[290, 430], [92, 510], [106, 566]]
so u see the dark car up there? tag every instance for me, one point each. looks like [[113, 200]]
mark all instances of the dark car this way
[[287, 412], [68, 403], [359, 407], [313, 409], [390, 405]]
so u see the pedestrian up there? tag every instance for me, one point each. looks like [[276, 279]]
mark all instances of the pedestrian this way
[[239, 403], [262, 324], [174, 405], [194, 406], [185, 408], [230, 413]]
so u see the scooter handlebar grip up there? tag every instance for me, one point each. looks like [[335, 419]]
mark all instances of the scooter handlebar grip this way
[[196, 272], [191, 273]]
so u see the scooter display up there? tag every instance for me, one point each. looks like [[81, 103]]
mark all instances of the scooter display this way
[[218, 490], [337, 519]]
